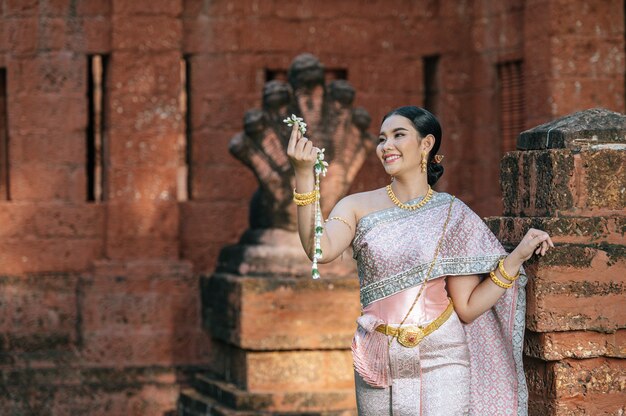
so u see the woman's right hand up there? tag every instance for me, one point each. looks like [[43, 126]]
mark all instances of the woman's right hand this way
[[302, 154]]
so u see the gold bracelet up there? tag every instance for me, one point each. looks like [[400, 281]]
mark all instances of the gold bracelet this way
[[499, 282], [505, 274], [340, 219], [306, 195], [306, 198], [304, 202]]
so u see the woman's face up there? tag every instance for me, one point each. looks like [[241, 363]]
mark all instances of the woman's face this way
[[400, 146]]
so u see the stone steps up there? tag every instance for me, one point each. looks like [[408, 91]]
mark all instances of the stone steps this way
[[210, 396], [192, 403]]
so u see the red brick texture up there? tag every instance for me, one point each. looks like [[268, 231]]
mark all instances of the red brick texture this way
[[575, 339], [79, 333], [109, 290]]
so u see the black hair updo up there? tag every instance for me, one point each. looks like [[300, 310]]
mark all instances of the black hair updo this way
[[425, 123]]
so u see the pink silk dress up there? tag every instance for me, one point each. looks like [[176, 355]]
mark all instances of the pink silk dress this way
[[441, 359], [459, 369]]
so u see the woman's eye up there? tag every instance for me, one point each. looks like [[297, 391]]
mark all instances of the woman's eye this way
[[399, 135], [381, 139]]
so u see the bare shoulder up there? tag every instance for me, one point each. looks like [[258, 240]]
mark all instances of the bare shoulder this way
[[362, 203]]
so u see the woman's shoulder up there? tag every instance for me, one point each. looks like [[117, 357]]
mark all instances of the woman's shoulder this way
[[444, 196], [359, 198], [460, 210], [363, 202]]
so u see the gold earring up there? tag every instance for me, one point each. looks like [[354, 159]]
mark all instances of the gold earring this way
[[424, 161]]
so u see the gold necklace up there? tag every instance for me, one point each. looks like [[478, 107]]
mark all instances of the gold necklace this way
[[392, 196]]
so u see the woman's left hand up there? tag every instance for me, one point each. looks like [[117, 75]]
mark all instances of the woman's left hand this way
[[535, 241]]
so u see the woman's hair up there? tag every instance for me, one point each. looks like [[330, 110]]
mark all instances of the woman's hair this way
[[425, 123]]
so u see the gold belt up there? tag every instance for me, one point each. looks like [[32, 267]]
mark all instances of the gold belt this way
[[411, 335]]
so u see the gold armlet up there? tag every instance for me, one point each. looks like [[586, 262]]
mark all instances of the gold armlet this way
[[340, 219], [505, 274], [499, 282]]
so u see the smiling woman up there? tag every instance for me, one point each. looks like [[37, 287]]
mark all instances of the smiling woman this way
[[428, 127], [443, 303]]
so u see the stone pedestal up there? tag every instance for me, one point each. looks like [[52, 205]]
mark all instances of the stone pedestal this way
[[283, 338], [570, 180]]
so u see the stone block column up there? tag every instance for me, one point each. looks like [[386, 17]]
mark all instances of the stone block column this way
[[140, 306], [145, 122], [569, 178]]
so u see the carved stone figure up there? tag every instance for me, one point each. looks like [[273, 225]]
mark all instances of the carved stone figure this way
[[332, 123]]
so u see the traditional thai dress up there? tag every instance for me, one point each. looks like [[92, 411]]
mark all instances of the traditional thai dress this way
[[458, 369]]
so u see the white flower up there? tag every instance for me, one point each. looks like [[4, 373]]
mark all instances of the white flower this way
[[293, 119]]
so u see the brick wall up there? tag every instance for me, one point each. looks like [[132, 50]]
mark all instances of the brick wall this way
[[61, 254], [99, 313]]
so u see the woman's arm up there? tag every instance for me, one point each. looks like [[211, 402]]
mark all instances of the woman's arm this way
[[472, 297], [337, 235]]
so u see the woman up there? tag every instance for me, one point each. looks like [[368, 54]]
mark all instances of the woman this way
[[443, 303]]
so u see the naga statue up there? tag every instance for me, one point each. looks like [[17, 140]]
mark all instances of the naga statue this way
[[332, 124]]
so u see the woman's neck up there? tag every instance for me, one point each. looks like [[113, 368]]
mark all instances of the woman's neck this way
[[408, 189]]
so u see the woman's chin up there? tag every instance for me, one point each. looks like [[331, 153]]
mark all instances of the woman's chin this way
[[391, 170]]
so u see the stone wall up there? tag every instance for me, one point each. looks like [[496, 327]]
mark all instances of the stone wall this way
[[100, 302], [570, 180], [99, 313]]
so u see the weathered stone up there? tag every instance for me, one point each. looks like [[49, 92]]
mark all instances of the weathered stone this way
[[578, 284], [575, 378], [141, 312], [575, 131], [37, 313], [274, 313], [576, 387], [278, 252], [66, 389], [591, 404], [562, 183], [591, 231], [541, 386], [284, 371], [276, 401], [574, 190], [576, 288], [193, 403], [603, 177], [553, 346]]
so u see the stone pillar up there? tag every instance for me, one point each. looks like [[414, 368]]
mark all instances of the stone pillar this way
[[569, 178], [145, 122], [140, 305]]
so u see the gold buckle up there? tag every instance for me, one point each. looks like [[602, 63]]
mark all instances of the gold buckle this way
[[411, 337]]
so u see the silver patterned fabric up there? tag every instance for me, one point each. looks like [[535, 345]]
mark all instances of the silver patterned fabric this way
[[442, 360], [478, 365]]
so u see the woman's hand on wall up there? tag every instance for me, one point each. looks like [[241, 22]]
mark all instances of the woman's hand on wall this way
[[534, 242]]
